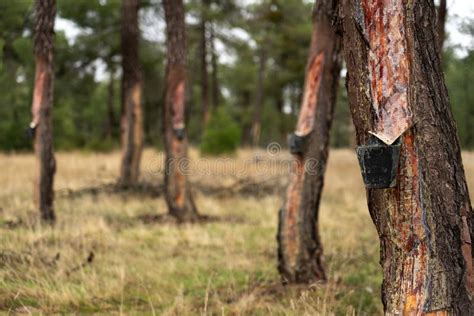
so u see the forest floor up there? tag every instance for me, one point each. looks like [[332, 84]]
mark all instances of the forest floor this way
[[115, 251]]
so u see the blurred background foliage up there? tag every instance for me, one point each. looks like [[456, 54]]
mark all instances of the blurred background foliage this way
[[87, 66]]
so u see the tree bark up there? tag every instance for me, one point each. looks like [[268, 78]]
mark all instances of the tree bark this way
[[259, 99], [215, 81], [204, 63], [441, 24], [299, 245], [132, 113], [110, 106], [396, 88], [42, 109], [177, 188]]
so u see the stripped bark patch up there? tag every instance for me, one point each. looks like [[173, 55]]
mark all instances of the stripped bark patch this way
[[178, 105], [178, 146], [388, 65], [308, 108], [39, 90], [414, 235], [293, 200], [137, 127]]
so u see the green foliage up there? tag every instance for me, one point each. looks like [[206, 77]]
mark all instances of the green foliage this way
[[222, 135], [85, 65], [459, 75], [459, 78]]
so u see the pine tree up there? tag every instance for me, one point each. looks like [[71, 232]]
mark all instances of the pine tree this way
[[177, 188], [132, 113], [299, 245], [400, 106], [41, 124]]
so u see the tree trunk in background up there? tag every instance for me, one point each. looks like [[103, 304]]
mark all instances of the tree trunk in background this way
[[177, 188], [204, 63], [110, 106], [132, 114], [299, 246], [441, 18], [215, 70], [396, 87], [259, 98], [246, 104], [42, 108]]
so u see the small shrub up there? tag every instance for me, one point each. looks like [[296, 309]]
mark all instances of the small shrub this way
[[222, 135]]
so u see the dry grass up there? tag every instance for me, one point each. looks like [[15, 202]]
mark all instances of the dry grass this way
[[103, 257]]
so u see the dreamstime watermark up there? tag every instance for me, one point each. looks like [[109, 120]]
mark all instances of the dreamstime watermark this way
[[271, 162]]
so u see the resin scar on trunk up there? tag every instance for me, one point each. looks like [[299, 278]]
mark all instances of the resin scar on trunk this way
[[384, 31], [38, 93], [303, 128]]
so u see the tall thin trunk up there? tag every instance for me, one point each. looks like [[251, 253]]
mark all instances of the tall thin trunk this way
[[396, 90], [42, 108], [259, 98], [110, 106], [132, 113], [442, 13], [245, 103], [204, 62], [215, 70], [177, 188], [299, 245]]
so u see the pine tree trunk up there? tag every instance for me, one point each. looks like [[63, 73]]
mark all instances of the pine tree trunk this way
[[42, 108], [177, 188], [110, 106], [204, 63], [441, 25], [215, 70], [299, 245], [396, 87], [259, 99], [132, 113]]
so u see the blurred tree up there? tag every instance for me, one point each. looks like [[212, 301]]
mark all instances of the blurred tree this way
[[396, 89], [177, 188], [132, 112], [88, 69], [279, 30], [459, 72], [299, 246], [204, 61], [208, 17], [459, 76], [41, 109], [259, 98], [97, 44]]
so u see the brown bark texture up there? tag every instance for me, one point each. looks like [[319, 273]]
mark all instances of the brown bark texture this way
[[204, 62], [395, 83], [132, 113], [215, 69], [299, 246], [177, 188], [441, 25], [42, 109]]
